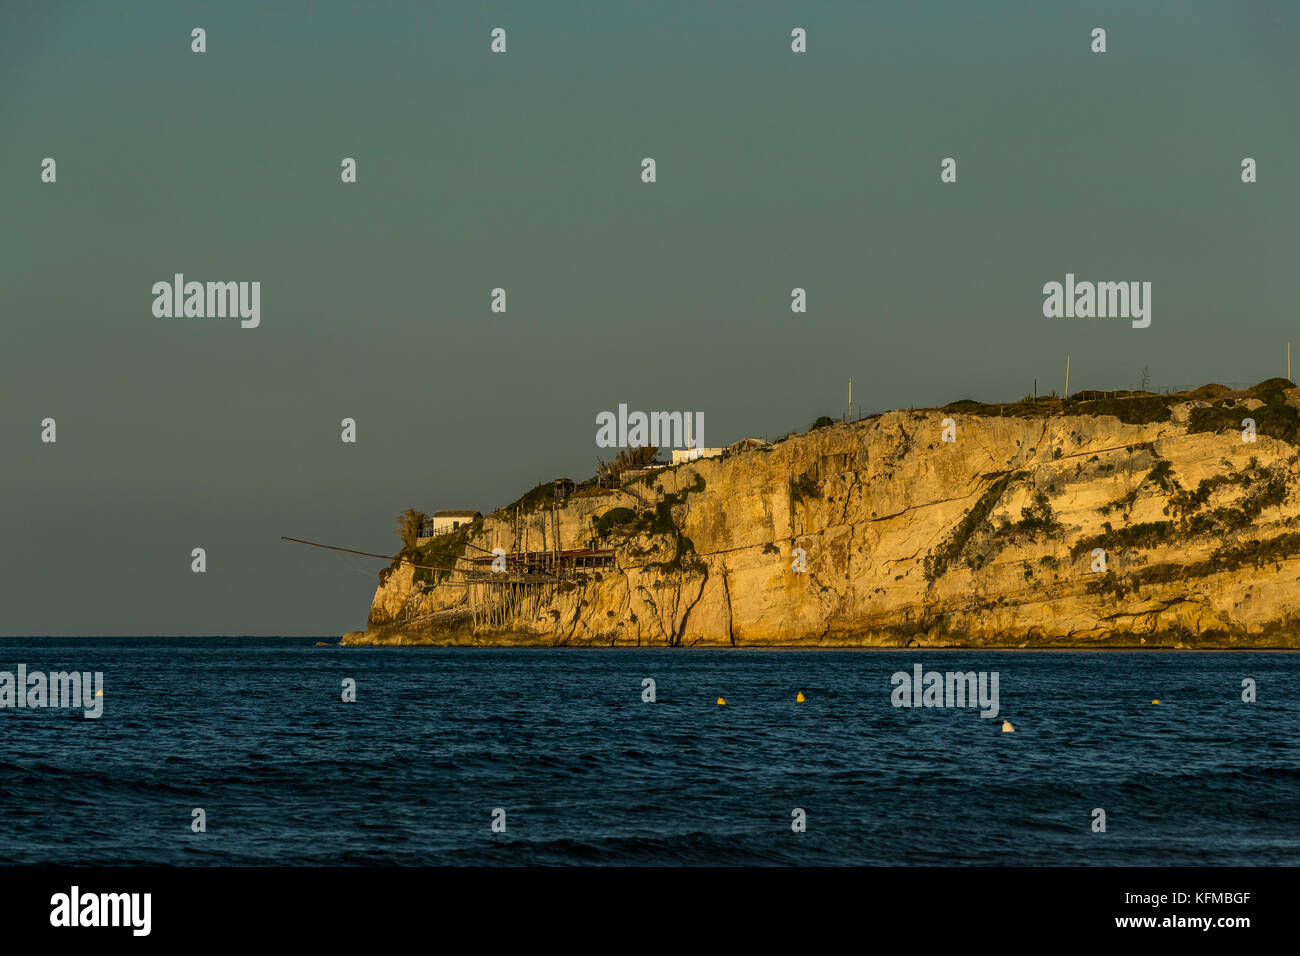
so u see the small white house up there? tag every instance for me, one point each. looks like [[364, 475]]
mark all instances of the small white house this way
[[445, 522]]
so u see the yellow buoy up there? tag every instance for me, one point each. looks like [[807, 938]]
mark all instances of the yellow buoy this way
[[1007, 728], [721, 701], [1155, 702], [799, 697], [99, 693]]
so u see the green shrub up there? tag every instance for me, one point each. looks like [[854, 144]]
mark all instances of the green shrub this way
[[435, 559], [1186, 502], [1124, 503], [938, 561], [1275, 418], [1142, 410], [1227, 558], [1148, 534], [1037, 516], [1215, 418], [1270, 391], [535, 498], [1267, 488], [1162, 475], [612, 519]]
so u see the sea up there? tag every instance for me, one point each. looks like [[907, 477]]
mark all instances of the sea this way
[[265, 750]]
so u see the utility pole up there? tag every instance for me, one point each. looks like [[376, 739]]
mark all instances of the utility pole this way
[[850, 418], [1288, 361], [1067, 377]]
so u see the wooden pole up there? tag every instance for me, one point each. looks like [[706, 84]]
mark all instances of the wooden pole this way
[[369, 554], [1067, 377]]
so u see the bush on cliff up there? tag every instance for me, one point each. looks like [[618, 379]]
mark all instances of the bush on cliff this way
[[535, 498], [614, 518], [435, 559], [1148, 534], [409, 523], [1038, 517], [1142, 410], [1162, 476], [941, 558], [1276, 420], [1271, 391]]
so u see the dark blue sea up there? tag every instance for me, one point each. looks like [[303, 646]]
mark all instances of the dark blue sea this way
[[255, 732]]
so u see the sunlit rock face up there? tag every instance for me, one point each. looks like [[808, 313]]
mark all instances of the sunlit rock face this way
[[1029, 528]]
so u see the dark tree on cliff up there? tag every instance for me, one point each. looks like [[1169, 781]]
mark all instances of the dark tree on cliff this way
[[409, 523], [627, 458]]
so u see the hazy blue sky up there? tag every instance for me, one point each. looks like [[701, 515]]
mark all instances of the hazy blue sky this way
[[522, 170]]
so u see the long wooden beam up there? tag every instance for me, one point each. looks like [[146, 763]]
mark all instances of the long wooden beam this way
[[368, 554]]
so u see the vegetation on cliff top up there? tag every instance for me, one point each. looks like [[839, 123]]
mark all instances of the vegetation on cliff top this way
[[1274, 418], [434, 559], [1141, 408]]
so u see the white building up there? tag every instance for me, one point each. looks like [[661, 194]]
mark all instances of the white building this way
[[444, 522]]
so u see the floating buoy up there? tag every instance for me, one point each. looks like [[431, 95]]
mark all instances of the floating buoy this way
[[99, 693], [1155, 702], [1007, 728], [721, 702], [799, 697]]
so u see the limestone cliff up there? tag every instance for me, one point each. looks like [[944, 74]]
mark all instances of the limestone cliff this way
[[1138, 521]]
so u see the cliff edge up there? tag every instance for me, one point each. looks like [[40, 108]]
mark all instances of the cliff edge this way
[[1139, 521]]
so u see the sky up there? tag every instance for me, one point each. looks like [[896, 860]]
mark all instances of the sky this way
[[477, 170]]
